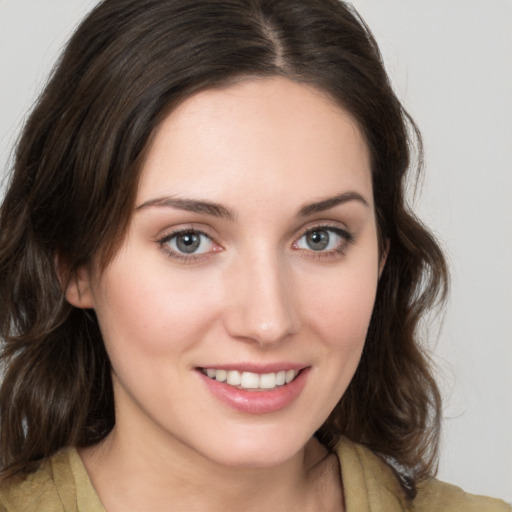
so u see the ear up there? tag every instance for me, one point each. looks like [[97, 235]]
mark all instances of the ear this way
[[78, 290], [76, 285]]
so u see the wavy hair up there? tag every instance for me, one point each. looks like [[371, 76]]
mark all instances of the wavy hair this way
[[71, 196]]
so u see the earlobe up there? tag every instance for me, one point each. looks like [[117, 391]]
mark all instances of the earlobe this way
[[78, 289]]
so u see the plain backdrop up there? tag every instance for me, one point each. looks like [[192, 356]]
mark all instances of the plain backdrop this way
[[450, 62]]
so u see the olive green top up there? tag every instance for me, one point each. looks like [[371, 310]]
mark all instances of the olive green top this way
[[61, 484]]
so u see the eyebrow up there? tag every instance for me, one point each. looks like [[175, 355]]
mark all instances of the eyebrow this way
[[190, 205], [331, 202], [217, 210]]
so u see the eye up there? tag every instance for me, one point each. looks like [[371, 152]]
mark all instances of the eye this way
[[324, 239], [187, 243]]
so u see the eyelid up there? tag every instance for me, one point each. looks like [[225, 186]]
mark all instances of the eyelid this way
[[343, 232], [331, 225], [167, 235]]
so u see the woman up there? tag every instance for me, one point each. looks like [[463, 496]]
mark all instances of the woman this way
[[210, 281]]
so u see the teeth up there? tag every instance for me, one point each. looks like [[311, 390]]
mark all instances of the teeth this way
[[280, 378], [268, 381], [220, 375], [234, 378], [249, 380], [290, 375]]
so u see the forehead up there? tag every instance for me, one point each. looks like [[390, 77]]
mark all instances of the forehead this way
[[252, 138]]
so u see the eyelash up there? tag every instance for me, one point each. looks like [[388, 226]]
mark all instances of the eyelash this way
[[346, 240], [186, 258]]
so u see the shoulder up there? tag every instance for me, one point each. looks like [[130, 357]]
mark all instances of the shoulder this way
[[371, 484], [436, 495], [50, 488]]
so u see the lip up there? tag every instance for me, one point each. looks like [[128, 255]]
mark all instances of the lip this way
[[257, 402], [258, 368]]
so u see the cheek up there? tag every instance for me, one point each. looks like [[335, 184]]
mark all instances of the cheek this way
[[342, 306], [337, 315], [152, 312]]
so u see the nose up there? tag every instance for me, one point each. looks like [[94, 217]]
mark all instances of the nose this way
[[261, 301]]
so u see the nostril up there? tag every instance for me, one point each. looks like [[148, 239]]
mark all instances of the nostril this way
[[259, 304]]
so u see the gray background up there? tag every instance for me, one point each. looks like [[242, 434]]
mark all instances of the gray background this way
[[451, 64]]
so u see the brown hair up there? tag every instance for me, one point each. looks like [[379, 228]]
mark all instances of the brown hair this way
[[72, 193]]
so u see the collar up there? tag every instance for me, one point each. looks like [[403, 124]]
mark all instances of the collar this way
[[369, 483]]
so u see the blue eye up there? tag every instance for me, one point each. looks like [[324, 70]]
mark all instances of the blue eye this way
[[189, 242], [324, 239]]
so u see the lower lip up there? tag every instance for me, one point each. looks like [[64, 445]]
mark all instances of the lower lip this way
[[257, 402]]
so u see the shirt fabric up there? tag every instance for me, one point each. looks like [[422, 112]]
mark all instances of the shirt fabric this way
[[61, 484]]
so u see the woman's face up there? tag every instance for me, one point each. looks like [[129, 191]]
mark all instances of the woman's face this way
[[251, 260]]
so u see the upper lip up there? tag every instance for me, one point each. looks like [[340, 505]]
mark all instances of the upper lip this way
[[257, 368]]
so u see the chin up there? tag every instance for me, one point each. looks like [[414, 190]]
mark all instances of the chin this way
[[260, 449], [252, 459]]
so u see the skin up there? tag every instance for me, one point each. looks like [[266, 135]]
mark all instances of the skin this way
[[255, 291]]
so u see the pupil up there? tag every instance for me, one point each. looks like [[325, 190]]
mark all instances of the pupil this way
[[188, 242], [318, 240]]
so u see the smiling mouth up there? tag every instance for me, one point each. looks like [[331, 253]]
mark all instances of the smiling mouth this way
[[251, 381]]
